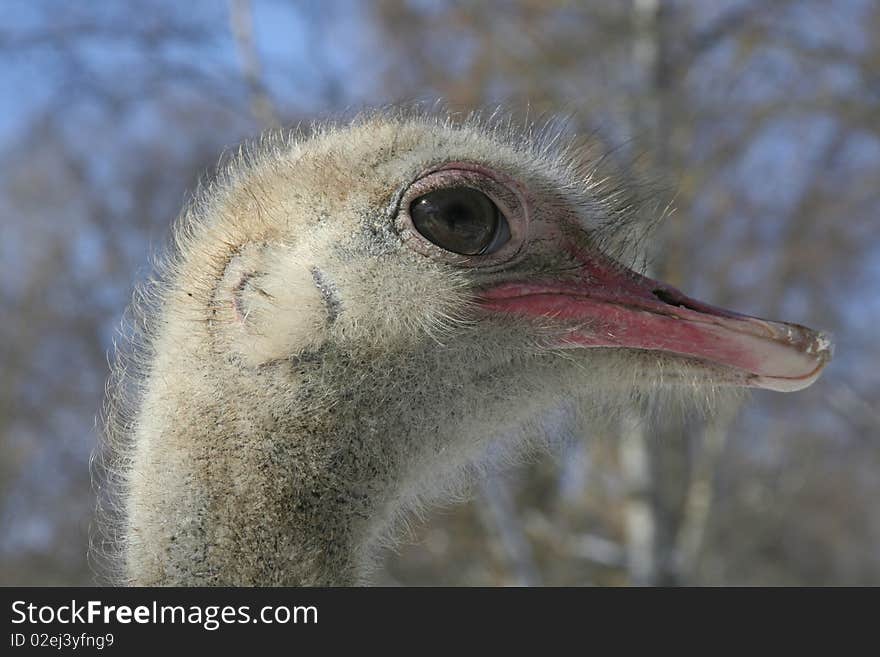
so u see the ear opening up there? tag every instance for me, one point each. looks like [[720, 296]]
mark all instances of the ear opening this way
[[274, 308]]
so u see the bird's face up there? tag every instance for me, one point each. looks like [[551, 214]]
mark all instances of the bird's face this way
[[455, 243]]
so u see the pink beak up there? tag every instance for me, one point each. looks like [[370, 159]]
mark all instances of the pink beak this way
[[611, 306]]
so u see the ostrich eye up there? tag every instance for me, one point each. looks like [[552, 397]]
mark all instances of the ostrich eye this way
[[461, 220]]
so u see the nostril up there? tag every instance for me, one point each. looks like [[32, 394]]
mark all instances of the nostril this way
[[672, 299]]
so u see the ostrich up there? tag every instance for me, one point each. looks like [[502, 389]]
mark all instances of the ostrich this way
[[344, 325]]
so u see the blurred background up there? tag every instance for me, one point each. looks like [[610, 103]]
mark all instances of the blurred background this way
[[761, 117]]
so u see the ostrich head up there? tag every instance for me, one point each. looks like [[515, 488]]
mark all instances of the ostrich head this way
[[346, 322]]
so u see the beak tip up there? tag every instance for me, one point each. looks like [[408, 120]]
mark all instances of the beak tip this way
[[823, 346], [820, 349]]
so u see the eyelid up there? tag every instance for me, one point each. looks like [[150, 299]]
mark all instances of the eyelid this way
[[504, 191]]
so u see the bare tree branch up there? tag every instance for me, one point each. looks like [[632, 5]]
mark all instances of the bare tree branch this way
[[241, 20]]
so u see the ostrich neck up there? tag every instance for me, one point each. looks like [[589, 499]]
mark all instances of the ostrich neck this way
[[239, 491], [251, 497]]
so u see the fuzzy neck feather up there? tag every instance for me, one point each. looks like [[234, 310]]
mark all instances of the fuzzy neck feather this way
[[251, 495]]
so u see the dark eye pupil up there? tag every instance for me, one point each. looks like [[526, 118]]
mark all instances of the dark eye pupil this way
[[461, 220]]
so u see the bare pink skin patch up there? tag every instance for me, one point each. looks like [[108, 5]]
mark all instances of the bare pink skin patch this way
[[610, 306]]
